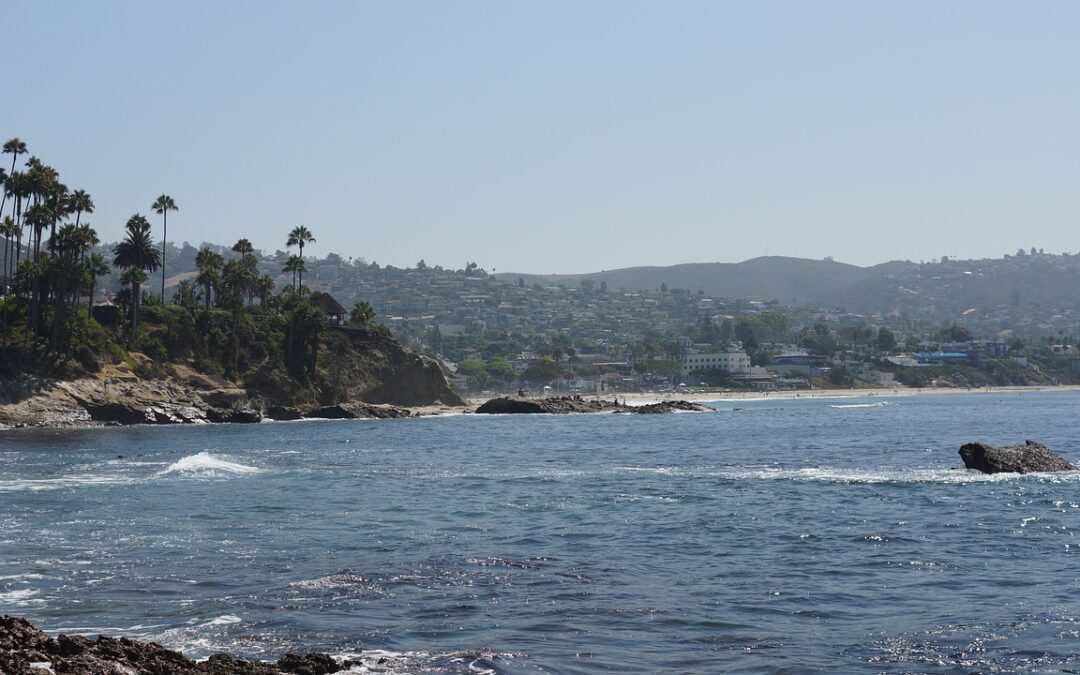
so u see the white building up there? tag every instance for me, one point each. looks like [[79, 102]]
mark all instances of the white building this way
[[731, 360]]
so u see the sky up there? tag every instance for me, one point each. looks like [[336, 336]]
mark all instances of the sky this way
[[563, 136]]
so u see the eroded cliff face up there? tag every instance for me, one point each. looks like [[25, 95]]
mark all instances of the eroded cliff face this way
[[355, 365], [369, 365]]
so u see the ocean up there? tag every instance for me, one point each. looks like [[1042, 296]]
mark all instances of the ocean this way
[[773, 536]]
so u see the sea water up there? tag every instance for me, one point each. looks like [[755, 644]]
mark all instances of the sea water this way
[[810, 534]]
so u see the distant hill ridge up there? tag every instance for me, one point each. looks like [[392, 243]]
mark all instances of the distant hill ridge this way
[[791, 281]]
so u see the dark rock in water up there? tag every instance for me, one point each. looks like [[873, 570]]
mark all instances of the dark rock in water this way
[[308, 664], [1027, 458], [667, 407], [510, 406], [570, 404], [24, 650], [283, 413], [233, 415], [354, 411], [551, 406]]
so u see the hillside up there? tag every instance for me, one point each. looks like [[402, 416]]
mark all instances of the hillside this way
[[791, 281]]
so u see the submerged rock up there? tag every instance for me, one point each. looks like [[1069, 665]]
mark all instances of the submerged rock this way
[[26, 650], [1027, 458]]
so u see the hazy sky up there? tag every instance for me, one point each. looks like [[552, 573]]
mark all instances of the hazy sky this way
[[563, 136]]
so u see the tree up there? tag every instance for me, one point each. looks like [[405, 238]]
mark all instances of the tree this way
[[886, 341], [295, 264], [13, 147], [136, 254], [162, 205], [362, 314], [95, 267], [247, 260], [209, 263], [300, 236], [264, 288], [80, 202]]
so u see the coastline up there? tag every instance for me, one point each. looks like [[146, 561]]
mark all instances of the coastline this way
[[63, 405], [644, 398]]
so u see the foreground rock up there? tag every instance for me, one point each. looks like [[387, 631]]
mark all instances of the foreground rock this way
[[1031, 457], [512, 405], [25, 650]]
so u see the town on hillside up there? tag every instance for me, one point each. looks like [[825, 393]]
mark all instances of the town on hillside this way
[[498, 333]]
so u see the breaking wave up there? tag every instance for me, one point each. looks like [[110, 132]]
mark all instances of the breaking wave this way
[[206, 465]]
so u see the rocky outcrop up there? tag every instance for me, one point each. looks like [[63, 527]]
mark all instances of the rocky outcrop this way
[[1031, 457], [26, 650], [664, 407], [367, 368], [368, 364], [512, 405], [354, 411]]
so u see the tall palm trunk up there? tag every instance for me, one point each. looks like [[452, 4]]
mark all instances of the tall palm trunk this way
[[164, 239], [134, 312]]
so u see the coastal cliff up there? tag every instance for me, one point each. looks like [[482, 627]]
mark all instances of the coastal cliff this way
[[359, 372]]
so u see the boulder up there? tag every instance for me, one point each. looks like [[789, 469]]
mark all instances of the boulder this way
[[357, 410], [283, 413], [308, 664], [1027, 458]]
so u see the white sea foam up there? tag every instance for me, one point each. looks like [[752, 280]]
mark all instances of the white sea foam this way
[[20, 598], [45, 484], [224, 620], [891, 475], [206, 465], [387, 661]]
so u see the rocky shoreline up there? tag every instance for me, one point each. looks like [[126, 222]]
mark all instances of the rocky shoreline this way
[[121, 399], [27, 650]]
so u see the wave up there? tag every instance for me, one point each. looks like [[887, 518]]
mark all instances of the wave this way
[[206, 465]]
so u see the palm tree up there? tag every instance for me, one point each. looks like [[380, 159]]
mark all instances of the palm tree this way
[[209, 264], [295, 265], [95, 267], [264, 288], [18, 185], [298, 237], [162, 205], [8, 230], [14, 147], [137, 254], [79, 202], [248, 262]]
